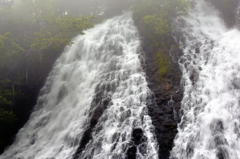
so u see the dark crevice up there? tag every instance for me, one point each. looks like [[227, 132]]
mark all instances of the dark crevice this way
[[137, 139]]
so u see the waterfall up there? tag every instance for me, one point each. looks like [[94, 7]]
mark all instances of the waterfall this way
[[93, 104], [210, 124]]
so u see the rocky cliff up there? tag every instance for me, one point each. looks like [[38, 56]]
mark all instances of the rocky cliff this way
[[164, 105]]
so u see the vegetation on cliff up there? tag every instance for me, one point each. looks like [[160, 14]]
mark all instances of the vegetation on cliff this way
[[154, 19]]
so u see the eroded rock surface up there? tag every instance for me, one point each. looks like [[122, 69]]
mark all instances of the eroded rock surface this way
[[165, 103]]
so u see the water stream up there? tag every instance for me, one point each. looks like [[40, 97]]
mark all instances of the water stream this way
[[93, 101], [210, 125]]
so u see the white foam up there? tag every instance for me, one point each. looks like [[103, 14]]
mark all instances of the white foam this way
[[106, 57], [210, 126]]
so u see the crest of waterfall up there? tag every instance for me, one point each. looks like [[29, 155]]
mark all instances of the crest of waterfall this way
[[210, 126], [100, 71]]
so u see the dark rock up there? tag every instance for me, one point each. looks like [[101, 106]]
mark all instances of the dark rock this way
[[137, 135], [222, 153], [131, 153], [164, 114], [137, 141]]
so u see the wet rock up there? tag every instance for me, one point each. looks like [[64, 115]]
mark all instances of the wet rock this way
[[220, 140], [165, 116], [137, 135], [222, 153], [138, 140], [131, 153], [190, 149]]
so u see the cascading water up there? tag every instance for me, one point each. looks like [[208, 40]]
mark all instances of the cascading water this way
[[210, 126], [93, 100]]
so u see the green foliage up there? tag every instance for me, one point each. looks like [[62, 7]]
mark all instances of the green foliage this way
[[5, 97], [154, 19], [29, 30], [163, 63], [7, 94], [7, 120], [6, 43], [156, 28], [59, 31], [9, 52]]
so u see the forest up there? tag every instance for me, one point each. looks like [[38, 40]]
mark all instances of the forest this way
[[34, 33]]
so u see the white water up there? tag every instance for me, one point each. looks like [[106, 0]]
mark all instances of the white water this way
[[210, 126], [105, 60]]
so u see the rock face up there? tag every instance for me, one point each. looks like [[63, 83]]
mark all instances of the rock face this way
[[165, 103], [137, 139], [228, 10]]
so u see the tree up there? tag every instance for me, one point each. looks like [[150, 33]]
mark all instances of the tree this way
[[7, 119], [154, 17]]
